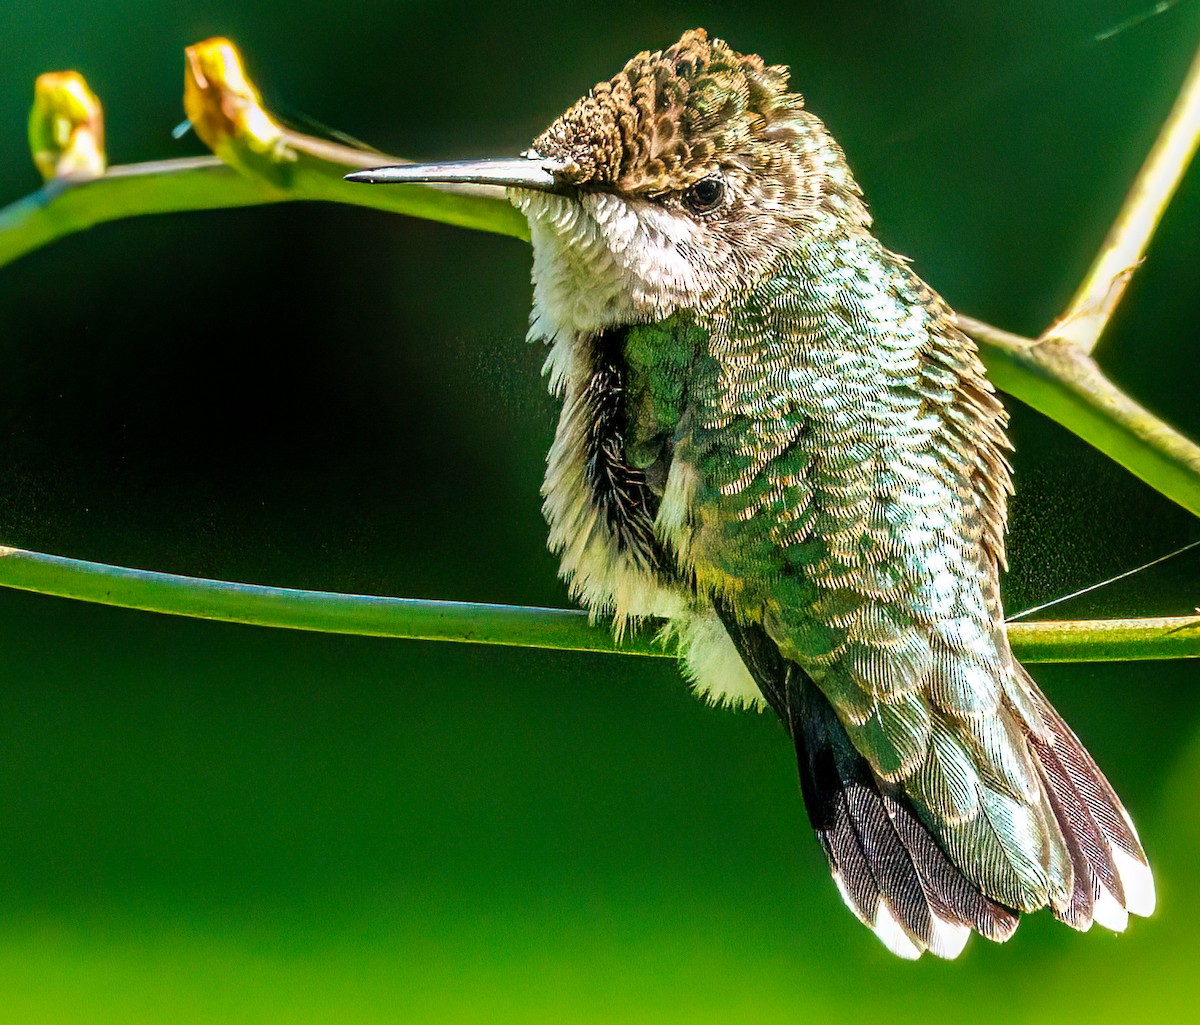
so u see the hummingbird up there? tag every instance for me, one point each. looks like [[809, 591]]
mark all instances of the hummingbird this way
[[775, 437]]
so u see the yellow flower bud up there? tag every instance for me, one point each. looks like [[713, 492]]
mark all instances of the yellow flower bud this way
[[66, 127], [227, 113]]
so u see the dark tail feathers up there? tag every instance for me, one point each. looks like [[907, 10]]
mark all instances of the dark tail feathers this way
[[887, 864], [889, 867], [891, 871], [1112, 877]]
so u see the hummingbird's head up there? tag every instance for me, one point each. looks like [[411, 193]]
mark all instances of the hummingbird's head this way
[[673, 185]]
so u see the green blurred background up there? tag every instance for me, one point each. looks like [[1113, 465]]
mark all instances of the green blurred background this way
[[207, 823]]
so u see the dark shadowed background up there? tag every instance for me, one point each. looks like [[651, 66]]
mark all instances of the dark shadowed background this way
[[207, 823]]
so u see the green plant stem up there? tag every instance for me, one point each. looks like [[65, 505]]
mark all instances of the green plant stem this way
[[471, 623], [1085, 318], [320, 611], [1106, 640], [1064, 383], [65, 206]]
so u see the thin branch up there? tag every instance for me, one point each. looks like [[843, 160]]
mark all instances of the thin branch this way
[[321, 611], [1064, 383], [1084, 320], [1106, 640], [65, 206], [518, 626]]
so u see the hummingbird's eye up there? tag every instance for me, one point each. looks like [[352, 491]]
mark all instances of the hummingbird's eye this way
[[705, 195]]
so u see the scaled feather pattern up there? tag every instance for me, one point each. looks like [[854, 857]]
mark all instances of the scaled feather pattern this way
[[774, 436]]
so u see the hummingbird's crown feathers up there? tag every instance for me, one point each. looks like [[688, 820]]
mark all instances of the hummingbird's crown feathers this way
[[663, 122]]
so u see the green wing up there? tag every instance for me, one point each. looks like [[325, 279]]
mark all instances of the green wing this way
[[853, 503]]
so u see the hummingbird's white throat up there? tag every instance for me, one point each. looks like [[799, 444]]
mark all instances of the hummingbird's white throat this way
[[601, 260]]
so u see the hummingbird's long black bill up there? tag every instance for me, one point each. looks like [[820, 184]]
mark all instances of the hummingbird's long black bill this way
[[514, 172]]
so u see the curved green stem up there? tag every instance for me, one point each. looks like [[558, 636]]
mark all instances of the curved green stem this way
[[1091, 308], [65, 205], [472, 623], [1107, 640], [321, 611], [1064, 383]]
